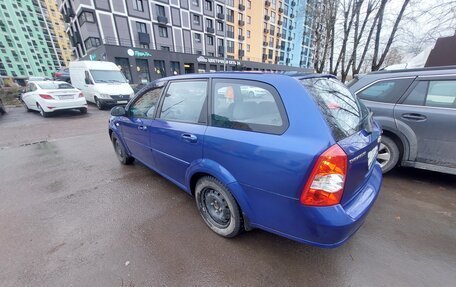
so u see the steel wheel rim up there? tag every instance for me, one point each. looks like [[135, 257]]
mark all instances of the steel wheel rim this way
[[384, 155], [215, 208]]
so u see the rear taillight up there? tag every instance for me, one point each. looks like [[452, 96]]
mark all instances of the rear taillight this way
[[58, 74], [81, 95], [46, 96], [326, 182]]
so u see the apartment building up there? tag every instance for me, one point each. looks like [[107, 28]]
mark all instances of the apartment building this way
[[32, 38], [155, 38]]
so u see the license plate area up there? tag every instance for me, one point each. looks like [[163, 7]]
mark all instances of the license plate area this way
[[122, 102], [372, 156], [66, 97]]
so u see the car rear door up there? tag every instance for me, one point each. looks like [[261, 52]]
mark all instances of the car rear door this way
[[177, 134], [430, 111], [352, 127]]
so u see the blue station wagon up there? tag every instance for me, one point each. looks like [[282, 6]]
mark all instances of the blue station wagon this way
[[292, 155]]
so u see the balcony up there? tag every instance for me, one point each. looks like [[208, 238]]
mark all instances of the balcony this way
[[162, 19], [210, 30], [71, 12], [265, 57], [267, 17], [241, 22], [66, 19], [292, 16], [265, 43], [278, 46], [293, 3], [220, 16], [267, 3], [290, 27], [279, 35], [279, 22], [288, 49], [271, 32], [241, 53], [144, 38], [265, 30], [280, 10], [241, 7], [241, 38], [290, 38]]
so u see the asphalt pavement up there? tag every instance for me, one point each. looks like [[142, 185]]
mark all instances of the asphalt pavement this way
[[72, 215]]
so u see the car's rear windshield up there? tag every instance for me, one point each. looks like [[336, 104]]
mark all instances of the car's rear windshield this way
[[55, 86], [341, 109]]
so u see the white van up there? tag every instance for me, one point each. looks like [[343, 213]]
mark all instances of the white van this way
[[102, 83]]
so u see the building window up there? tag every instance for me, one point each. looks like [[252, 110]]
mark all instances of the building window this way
[[86, 16], [196, 19], [208, 5], [175, 68], [249, 4], [249, 20], [163, 32], [142, 66], [141, 27], [210, 40], [160, 10], [209, 23], [248, 34], [219, 9], [197, 37], [92, 42], [248, 47], [138, 5], [160, 68], [219, 26], [230, 46], [196, 3], [165, 48]]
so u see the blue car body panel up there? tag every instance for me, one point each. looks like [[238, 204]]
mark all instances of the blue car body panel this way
[[266, 173]]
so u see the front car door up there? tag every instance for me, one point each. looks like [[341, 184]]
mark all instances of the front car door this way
[[430, 111], [135, 127], [177, 134]]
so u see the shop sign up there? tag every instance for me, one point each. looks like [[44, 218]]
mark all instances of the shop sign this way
[[202, 59], [133, 53]]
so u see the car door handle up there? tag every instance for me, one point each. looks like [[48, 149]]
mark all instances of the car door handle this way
[[142, 128], [414, 117], [189, 138]]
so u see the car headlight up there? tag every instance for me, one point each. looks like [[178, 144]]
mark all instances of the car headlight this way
[[105, 96]]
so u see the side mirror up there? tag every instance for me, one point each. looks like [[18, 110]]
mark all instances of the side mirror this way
[[118, 111]]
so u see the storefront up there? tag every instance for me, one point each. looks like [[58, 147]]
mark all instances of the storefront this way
[[145, 65]]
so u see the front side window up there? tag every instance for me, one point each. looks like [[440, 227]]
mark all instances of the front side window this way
[[441, 94], [247, 105], [185, 102], [146, 105], [387, 91]]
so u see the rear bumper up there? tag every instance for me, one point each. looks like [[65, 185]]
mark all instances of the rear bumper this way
[[112, 102], [53, 105], [326, 227]]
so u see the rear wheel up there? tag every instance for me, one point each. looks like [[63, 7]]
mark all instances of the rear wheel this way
[[43, 113], [388, 154], [217, 207], [121, 154]]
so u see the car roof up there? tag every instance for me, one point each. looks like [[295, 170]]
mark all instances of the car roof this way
[[47, 82], [443, 70], [251, 75]]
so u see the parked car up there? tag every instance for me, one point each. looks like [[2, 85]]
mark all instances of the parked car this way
[[417, 111], [298, 161], [50, 96], [62, 74], [102, 83], [38, 79]]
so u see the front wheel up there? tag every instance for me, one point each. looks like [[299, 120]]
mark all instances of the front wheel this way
[[217, 207], [388, 154], [99, 104], [121, 154]]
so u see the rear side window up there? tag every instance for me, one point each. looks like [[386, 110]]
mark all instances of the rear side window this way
[[386, 91], [341, 109], [247, 105], [185, 101]]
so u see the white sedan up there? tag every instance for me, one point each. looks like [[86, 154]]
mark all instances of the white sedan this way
[[49, 96]]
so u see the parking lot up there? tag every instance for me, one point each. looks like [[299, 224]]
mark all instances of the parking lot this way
[[71, 215]]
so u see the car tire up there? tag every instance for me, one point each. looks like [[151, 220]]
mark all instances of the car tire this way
[[99, 104], [83, 111], [388, 154], [119, 149], [217, 207], [43, 113]]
